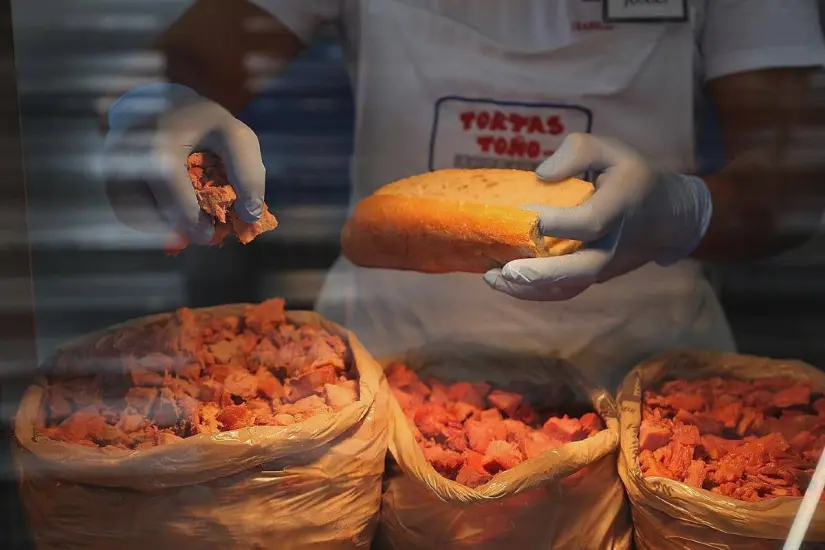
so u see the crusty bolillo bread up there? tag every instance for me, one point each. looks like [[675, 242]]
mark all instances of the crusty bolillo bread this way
[[457, 221]]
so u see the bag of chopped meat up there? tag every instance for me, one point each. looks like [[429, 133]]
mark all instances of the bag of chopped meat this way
[[527, 489], [711, 444], [304, 475]]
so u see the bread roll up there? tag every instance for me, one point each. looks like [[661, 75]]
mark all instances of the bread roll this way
[[458, 221]]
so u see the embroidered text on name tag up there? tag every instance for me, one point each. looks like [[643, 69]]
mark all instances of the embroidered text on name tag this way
[[481, 133]]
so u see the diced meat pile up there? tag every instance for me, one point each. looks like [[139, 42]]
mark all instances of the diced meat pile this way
[[750, 440], [216, 197], [194, 373], [469, 432]]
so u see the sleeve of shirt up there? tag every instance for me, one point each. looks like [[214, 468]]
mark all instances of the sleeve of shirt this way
[[303, 17], [748, 35]]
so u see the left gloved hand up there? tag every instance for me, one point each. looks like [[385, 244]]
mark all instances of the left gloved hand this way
[[638, 214]]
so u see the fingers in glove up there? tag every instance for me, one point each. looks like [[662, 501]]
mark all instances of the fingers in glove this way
[[578, 153], [176, 197], [619, 189], [578, 269], [555, 277], [240, 150], [534, 293]]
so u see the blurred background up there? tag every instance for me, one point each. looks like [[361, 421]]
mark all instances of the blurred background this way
[[90, 271]]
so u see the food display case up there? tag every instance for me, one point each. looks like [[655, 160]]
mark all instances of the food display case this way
[[195, 401]]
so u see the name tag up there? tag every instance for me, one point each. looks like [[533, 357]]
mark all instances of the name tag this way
[[644, 11]]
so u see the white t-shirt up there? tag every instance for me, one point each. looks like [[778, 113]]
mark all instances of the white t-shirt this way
[[733, 35], [427, 63]]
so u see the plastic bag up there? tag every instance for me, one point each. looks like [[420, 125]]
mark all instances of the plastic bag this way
[[314, 484], [537, 504], [669, 515]]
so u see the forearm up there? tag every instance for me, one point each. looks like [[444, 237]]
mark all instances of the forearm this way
[[761, 213], [771, 195], [209, 49]]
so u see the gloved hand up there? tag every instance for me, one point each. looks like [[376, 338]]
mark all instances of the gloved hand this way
[[152, 131], [638, 214]]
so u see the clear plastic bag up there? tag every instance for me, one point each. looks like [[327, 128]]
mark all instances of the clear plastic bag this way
[[669, 515], [314, 484], [568, 498]]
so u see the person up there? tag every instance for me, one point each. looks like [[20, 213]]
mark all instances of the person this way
[[485, 83]]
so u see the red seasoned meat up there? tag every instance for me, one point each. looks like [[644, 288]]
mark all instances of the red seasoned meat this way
[[480, 433], [132, 422], [235, 417], [310, 382], [305, 408], [212, 390], [686, 434], [268, 385], [198, 373], [565, 429], [215, 197], [706, 423], [399, 376], [471, 394], [431, 419], [536, 443], [340, 395], [491, 429], [240, 382], [802, 441], [696, 474], [653, 435], [438, 393], [517, 431], [408, 400], [751, 421], [728, 414], [490, 415], [527, 414], [501, 456], [445, 462], [750, 440], [678, 458], [81, 427], [452, 437], [653, 467], [462, 411], [592, 423], [472, 473], [506, 402], [798, 394], [716, 447], [691, 402]]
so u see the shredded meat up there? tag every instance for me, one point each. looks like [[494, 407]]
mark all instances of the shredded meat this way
[[216, 197], [469, 432], [749, 440], [194, 373]]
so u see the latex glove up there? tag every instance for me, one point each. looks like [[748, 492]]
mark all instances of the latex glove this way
[[638, 214], [152, 131]]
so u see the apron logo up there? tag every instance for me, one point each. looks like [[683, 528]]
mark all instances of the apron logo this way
[[479, 133], [641, 11]]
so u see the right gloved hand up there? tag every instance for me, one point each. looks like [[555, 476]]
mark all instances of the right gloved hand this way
[[152, 131]]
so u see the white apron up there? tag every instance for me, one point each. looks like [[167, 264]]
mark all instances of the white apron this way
[[436, 87]]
